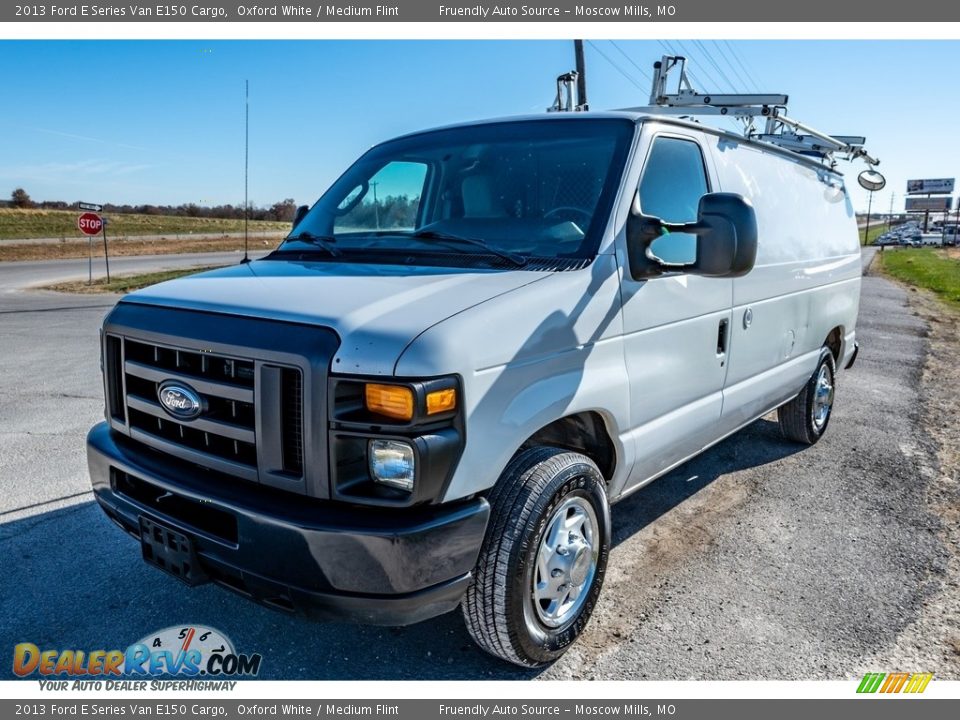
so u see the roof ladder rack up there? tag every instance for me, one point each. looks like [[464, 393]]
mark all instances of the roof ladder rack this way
[[779, 130]]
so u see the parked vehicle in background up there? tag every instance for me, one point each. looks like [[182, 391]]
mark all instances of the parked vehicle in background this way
[[951, 233]]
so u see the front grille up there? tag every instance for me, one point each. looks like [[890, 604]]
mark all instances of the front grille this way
[[113, 371], [291, 413], [251, 404], [225, 432], [191, 363]]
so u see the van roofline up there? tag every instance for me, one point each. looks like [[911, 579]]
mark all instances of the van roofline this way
[[637, 118]]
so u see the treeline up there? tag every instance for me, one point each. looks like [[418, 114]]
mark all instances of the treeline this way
[[393, 211], [282, 211]]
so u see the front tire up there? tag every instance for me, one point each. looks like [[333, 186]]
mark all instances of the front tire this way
[[805, 418], [543, 560]]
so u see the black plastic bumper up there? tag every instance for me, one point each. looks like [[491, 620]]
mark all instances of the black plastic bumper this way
[[323, 559]]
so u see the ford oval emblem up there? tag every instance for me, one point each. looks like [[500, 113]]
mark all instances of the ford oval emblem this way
[[180, 400]]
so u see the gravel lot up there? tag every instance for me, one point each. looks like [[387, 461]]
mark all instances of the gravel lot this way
[[759, 560]]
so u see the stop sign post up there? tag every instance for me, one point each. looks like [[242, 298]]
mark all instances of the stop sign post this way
[[91, 224]]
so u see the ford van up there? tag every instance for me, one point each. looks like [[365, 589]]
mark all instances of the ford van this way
[[477, 341]]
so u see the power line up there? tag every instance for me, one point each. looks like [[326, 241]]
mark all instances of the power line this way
[[736, 56], [700, 68], [615, 65], [702, 87], [732, 66], [715, 64], [669, 48], [630, 60]]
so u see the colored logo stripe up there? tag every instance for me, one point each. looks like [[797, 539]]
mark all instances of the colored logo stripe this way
[[918, 682], [894, 682], [870, 683]]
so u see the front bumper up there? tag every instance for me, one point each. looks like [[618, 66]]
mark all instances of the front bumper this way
[[322, 559]]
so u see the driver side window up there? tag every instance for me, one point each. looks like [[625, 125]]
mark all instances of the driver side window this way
[[673, 181], [390, 201]]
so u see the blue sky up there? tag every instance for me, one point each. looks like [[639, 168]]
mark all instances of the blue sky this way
[[162, 121]]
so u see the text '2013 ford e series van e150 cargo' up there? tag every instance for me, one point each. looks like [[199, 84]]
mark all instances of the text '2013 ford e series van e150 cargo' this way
[[478, 339]]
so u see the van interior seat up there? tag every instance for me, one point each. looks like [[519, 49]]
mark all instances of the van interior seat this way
[[478, 197]]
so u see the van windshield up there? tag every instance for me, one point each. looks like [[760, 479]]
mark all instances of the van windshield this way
[[507, 192]]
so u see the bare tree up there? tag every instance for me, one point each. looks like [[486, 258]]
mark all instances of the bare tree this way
[[284, 210], [21, 199]]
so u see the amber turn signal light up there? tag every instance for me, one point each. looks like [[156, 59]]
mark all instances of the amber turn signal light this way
[[394, 401], [440, 401]]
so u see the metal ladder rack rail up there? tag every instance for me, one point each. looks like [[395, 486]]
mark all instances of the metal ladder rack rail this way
[[780, 129]]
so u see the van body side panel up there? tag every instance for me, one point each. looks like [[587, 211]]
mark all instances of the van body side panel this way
[[676, 381], [671, 329], [806, 280], [551, 349]]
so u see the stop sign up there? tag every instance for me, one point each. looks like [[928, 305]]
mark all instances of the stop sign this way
[[90, 223]]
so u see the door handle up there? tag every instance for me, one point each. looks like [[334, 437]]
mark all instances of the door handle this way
[[722, 336]]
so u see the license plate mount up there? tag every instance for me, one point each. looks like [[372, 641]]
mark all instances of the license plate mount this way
[[171, 551]]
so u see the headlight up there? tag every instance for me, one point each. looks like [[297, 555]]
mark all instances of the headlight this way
[[392, 463]]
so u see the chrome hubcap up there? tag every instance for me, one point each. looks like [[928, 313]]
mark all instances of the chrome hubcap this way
[[822, 398], [566, 562]]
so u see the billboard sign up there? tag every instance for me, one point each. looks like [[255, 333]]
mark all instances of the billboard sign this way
[[933, 204], [935, 186]]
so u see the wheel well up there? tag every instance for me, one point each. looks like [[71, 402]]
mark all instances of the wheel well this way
[[834, 341], [584, 433]]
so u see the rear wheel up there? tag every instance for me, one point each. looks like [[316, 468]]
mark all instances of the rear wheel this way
[[805, 418], [543, 560]]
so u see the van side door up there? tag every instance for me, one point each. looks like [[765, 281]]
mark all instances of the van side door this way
[[783, 308], [676, 327]]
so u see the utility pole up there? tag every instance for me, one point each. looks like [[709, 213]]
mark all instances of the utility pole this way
[[581, 76], [956, 222], [890, 214], [376, 206]]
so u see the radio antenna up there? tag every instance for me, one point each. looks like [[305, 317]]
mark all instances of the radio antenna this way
[[246, 174]]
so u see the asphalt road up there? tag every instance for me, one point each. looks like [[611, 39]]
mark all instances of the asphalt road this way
[[759, 560], [18, 276], [254, 234]]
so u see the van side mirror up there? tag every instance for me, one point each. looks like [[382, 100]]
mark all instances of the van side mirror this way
[[300, 214], [726, 232]]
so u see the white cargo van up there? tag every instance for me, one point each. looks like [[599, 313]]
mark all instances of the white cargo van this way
[[432, 399]]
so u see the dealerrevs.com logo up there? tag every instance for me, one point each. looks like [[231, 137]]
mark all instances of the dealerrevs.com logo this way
[[190, 651]]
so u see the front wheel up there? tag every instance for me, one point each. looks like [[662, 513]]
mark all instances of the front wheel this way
[[804, 419], [542, 563]]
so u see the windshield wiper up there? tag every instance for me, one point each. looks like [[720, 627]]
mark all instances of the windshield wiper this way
[[518, 260], [321, 241]]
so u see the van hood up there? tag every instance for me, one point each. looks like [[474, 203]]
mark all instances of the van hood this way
[[377, 310]]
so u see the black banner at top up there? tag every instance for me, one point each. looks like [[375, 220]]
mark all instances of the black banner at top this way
[[464, 11]]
